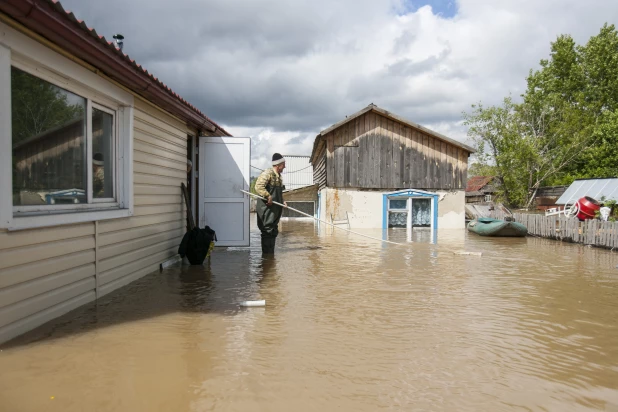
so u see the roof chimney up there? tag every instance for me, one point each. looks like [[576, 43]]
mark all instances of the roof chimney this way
[[119, 40]]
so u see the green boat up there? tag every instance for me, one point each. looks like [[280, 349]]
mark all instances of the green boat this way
[[486, 226]]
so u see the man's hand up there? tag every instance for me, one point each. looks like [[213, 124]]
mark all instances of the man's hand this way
[[286, 204], [270, 201]]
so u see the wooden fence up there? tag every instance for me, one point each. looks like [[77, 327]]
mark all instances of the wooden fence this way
[[589, 232]]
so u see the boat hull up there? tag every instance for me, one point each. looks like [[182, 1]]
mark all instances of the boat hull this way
[[497, 228]]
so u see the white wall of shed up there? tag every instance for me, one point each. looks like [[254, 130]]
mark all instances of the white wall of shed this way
[[452, 209], [365, 207]]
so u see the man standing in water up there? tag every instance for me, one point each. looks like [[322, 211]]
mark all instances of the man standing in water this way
[[270, 186]]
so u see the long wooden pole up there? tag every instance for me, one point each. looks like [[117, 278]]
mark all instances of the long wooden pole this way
[[326, 223], [188, 203]]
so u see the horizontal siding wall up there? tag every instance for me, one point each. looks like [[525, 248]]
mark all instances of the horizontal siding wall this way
[[373, 151], [132, 247], [45, 273]]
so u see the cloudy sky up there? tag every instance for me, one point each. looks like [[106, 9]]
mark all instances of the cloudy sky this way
[[280, 71]]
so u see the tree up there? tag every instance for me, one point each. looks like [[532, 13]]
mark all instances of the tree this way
[[516, 140], [566, 127], [481, 169]]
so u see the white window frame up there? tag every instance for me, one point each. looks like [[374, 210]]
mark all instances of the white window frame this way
[[400, 210], [116, 143], [28, 55], [488, 198]]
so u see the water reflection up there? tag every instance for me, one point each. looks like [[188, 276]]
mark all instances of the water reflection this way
[[350, 324]]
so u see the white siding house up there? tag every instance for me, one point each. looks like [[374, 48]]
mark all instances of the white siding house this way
[[65, 241]]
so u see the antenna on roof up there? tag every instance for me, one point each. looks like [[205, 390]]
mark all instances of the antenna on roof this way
[[119, 40]]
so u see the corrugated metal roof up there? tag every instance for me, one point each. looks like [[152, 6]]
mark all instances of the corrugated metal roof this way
[[594, 188], [298, 172]]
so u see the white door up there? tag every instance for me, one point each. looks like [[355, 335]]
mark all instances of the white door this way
[[224, 171]]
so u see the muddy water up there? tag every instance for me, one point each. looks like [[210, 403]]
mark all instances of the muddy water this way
[[350, 325]]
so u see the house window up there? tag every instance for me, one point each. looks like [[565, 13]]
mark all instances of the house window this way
[[65, 145], [54, 130], [488, 198]]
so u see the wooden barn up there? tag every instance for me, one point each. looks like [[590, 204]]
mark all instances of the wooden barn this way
[[378, 170]]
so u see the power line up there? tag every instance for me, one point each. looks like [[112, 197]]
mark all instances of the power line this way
[[287, 173]]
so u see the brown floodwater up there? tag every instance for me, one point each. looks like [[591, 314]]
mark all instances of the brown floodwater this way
[[349, 325]]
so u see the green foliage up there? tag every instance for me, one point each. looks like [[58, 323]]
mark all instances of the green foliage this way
[[481, 169], [565, 127], [252, 185]]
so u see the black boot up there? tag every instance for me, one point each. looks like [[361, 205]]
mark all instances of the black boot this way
[[265, 245], [268, 245], [273, 240]]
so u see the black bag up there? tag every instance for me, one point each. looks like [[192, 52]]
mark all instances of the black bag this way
[[197, 244]]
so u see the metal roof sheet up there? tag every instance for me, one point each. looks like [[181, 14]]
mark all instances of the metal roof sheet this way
[[594, 188], [476, 183]]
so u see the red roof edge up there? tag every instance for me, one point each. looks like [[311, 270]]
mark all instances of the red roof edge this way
[[476, 183], [49, 19]]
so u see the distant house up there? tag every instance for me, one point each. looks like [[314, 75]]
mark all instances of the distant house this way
[[546, 197], [379, 170], [479, 189]]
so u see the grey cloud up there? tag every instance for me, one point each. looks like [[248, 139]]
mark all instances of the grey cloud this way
[[408, 67], [303, 65]]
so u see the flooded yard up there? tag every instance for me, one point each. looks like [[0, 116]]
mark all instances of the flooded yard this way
[[350, 325]]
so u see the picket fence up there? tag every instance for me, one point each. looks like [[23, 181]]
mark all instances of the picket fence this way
[[589, 232]]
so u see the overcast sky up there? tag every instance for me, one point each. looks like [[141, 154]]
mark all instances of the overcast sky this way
[[280, 71]]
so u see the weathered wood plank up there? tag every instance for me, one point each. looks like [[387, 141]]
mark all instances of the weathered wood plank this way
[[330, 160], [366, 155], [407, 145], [402, 157], [381, 151], [346, 166], [396, 153], [425, 163], [456, 175], [434, 175], [355, 165], [339, 161], [417, 179], [450, 159], [374, 160]]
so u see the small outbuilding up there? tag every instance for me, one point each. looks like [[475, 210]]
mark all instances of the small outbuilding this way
[[379, 170], [480, 190]]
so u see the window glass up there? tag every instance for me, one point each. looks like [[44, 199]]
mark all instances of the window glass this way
[[398, 203], [102, 154], [397, 219], [421, 212], [48, 129]]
